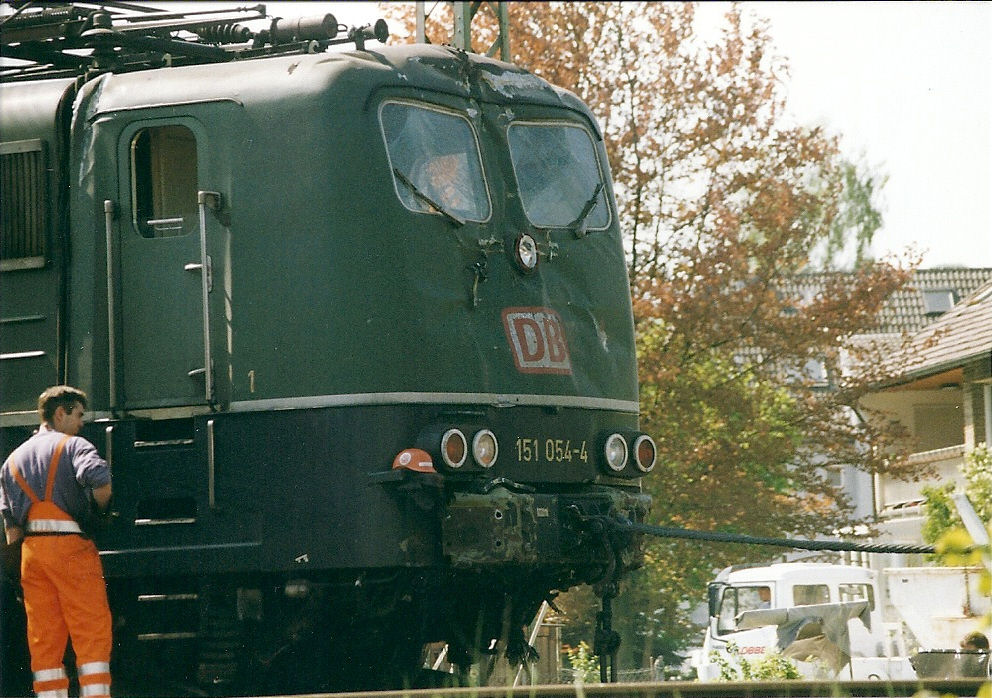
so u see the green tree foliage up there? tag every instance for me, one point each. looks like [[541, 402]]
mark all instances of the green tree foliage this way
[[723, 203], [858, 218], [978, 476], [583, 663], [941, 513]]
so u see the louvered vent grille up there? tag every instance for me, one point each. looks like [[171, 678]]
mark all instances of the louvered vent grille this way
[[22, 192]]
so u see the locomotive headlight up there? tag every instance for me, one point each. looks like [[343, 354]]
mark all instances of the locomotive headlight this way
[[485, 448], [454, 448], [526, 252], [615, 451], [645, 453]]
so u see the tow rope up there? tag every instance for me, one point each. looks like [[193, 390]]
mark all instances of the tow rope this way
[[687, 533]]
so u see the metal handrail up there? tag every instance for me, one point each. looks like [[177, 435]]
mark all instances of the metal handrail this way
[[205, 199], [108, 219]]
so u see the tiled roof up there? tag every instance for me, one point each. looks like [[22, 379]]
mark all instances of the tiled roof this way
[[906, 310], [961, 334]]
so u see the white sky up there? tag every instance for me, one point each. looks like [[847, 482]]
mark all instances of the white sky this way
[[908, 85]]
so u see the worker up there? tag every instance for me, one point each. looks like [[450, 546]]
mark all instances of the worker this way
[[975, 641], [49, 487]]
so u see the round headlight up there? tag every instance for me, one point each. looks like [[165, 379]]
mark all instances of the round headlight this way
[[453, 448], [526, 252], [485, 448], [645, 453], [615, 451]]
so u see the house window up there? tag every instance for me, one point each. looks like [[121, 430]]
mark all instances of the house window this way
[[835, 476], [813, 374], [816, 371], [938, 301], [23, 219], [938, 425], [164, 181]]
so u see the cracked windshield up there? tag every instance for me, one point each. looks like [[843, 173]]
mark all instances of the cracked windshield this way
[[558, 176], [435, 160]]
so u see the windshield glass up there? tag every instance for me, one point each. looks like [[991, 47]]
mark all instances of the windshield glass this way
[[558, 175], [435, 161], [736, 600]]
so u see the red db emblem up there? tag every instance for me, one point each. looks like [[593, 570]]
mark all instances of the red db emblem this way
[[537, 338]]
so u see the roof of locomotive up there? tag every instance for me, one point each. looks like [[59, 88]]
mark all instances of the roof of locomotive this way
[[423, 67]]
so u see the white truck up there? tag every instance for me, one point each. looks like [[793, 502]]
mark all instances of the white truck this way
[[829, 618]]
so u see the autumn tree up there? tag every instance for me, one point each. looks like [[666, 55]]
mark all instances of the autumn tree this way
[[748, 370]]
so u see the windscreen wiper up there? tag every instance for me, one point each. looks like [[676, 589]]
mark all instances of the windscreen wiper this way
[[428, 200], [579, 224]]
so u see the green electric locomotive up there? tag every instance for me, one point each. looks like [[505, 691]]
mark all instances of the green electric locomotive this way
[[354, 324]]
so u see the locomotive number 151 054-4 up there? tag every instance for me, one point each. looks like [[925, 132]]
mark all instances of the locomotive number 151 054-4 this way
[[531, 450]]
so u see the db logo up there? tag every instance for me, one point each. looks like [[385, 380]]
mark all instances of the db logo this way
[[537, 338]]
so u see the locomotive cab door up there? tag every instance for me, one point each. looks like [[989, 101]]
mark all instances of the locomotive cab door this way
[[171, 245]]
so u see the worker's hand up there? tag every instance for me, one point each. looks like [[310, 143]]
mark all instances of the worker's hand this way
[[10, 556], [15, 534], [101, 499]]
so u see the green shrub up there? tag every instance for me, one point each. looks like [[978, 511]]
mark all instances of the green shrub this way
[[583, 662], [771, 667]]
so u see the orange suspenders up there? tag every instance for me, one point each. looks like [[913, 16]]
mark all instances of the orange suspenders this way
[[56, 520], [53, 466]]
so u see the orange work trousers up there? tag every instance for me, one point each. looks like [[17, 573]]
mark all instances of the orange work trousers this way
[[65, 595]]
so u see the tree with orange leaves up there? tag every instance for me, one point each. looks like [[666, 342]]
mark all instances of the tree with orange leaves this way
[[726, 206]]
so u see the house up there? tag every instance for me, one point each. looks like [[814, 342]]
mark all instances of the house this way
[[929, 296], [944, 399]]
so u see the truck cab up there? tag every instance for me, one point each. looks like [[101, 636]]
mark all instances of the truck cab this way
[[815, 591]]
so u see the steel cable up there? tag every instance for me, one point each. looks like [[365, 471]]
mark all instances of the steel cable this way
[[673, 532]]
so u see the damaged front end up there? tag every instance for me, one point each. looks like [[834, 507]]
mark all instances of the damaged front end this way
[[502, 526]]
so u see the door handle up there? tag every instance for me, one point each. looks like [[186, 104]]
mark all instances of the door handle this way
[[196, 266]]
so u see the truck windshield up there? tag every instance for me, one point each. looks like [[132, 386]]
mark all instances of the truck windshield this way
[[558, 175], [434, 157], [736, 600]]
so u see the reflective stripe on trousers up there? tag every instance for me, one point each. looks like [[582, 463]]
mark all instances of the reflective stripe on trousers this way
[[50, 674], [51, 683], [94, 680]]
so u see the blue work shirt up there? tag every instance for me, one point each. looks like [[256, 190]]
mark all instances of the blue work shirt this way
[[79, 469]]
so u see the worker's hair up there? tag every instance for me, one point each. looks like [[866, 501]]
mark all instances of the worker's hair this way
[[64, 396], [976, 640]]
